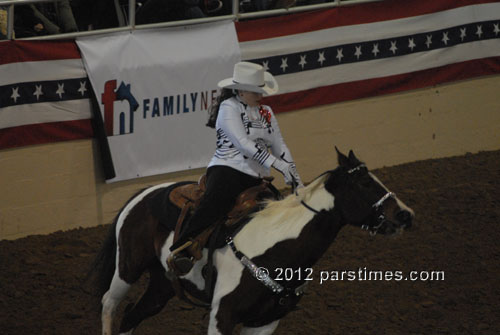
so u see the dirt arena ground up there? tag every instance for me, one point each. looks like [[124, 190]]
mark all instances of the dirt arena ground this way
[[457, 203]]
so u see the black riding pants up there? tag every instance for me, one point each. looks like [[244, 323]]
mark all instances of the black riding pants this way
[[224, 184]]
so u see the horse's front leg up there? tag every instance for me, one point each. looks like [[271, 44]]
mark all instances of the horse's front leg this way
[[221, 320], [225, 302], [264, 330]]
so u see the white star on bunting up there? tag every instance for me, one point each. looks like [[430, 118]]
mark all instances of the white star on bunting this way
[[15, 94], [479, 31], [339, 55], [265, 65], [393, 47], [358, 52], [303, 62], [496, 28], [429, 41], [82, 88], [60, 90], [445, 38], [411, 44], [321, 58], [463, 33], [375, 49], [284, 64], [38, 92]]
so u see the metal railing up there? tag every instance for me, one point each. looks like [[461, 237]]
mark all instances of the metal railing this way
[[235, 16]]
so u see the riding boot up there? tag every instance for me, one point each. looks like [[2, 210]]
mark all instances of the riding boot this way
[[181, 260], [186, 236]]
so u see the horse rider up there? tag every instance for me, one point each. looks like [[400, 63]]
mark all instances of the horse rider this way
[[249, 143]]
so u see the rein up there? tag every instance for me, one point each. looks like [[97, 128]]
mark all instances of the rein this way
[[303, 203], [309, 207]]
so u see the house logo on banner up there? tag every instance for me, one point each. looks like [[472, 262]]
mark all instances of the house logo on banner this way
[[124, 123], [119, 120]]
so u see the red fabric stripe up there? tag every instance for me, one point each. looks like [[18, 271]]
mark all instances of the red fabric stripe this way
[[28, 51], [385, 85], [343, 16], [45, 133]]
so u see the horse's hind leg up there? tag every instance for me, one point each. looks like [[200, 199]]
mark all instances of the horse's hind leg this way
[[110, 301], [157, 294]]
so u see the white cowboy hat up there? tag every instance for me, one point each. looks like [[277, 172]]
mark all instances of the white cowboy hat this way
[[250, 77]]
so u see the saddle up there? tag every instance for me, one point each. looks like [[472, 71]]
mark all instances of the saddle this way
[[187, 197]]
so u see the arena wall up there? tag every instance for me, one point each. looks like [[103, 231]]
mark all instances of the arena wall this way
[[60, 186]]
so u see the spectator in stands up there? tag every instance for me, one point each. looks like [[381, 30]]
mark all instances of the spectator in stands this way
[[97, 14], [26, 24], [154, 11], [42, 19], [258, 5], [213, 6], [56, 17], [192, 9], [3, 23], [311, 2]]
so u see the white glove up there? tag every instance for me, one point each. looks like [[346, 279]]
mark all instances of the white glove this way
[[289, 171]]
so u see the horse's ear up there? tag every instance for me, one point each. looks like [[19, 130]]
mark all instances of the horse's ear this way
[[352, 157], [341, 158]]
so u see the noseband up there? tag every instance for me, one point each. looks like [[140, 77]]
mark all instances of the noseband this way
[[379, 212], [377, 206]]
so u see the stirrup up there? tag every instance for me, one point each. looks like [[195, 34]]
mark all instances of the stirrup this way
[[181, 262]]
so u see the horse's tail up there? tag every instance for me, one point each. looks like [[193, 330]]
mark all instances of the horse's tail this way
[[103, 268]]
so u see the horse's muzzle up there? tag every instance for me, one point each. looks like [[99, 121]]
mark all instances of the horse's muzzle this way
[[401, 220]]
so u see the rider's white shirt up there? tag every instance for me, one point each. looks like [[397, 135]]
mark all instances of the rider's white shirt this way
[[246, 141]]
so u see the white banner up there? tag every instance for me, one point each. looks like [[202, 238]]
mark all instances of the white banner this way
[[154, 88]]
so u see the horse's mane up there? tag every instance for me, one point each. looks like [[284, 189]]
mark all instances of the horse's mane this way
[[292, 203], [283, 219]]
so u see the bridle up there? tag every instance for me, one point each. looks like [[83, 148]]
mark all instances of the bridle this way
[[377, 206], [381, 219]]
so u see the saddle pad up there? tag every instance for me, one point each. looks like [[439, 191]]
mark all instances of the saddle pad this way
[[161, 207]]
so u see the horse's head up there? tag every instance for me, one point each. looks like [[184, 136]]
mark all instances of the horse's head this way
[[363, 200]]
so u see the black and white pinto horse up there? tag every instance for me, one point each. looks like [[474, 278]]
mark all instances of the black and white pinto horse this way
[[292, 233]]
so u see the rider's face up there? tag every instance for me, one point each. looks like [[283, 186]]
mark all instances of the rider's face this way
[[252, 99]]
